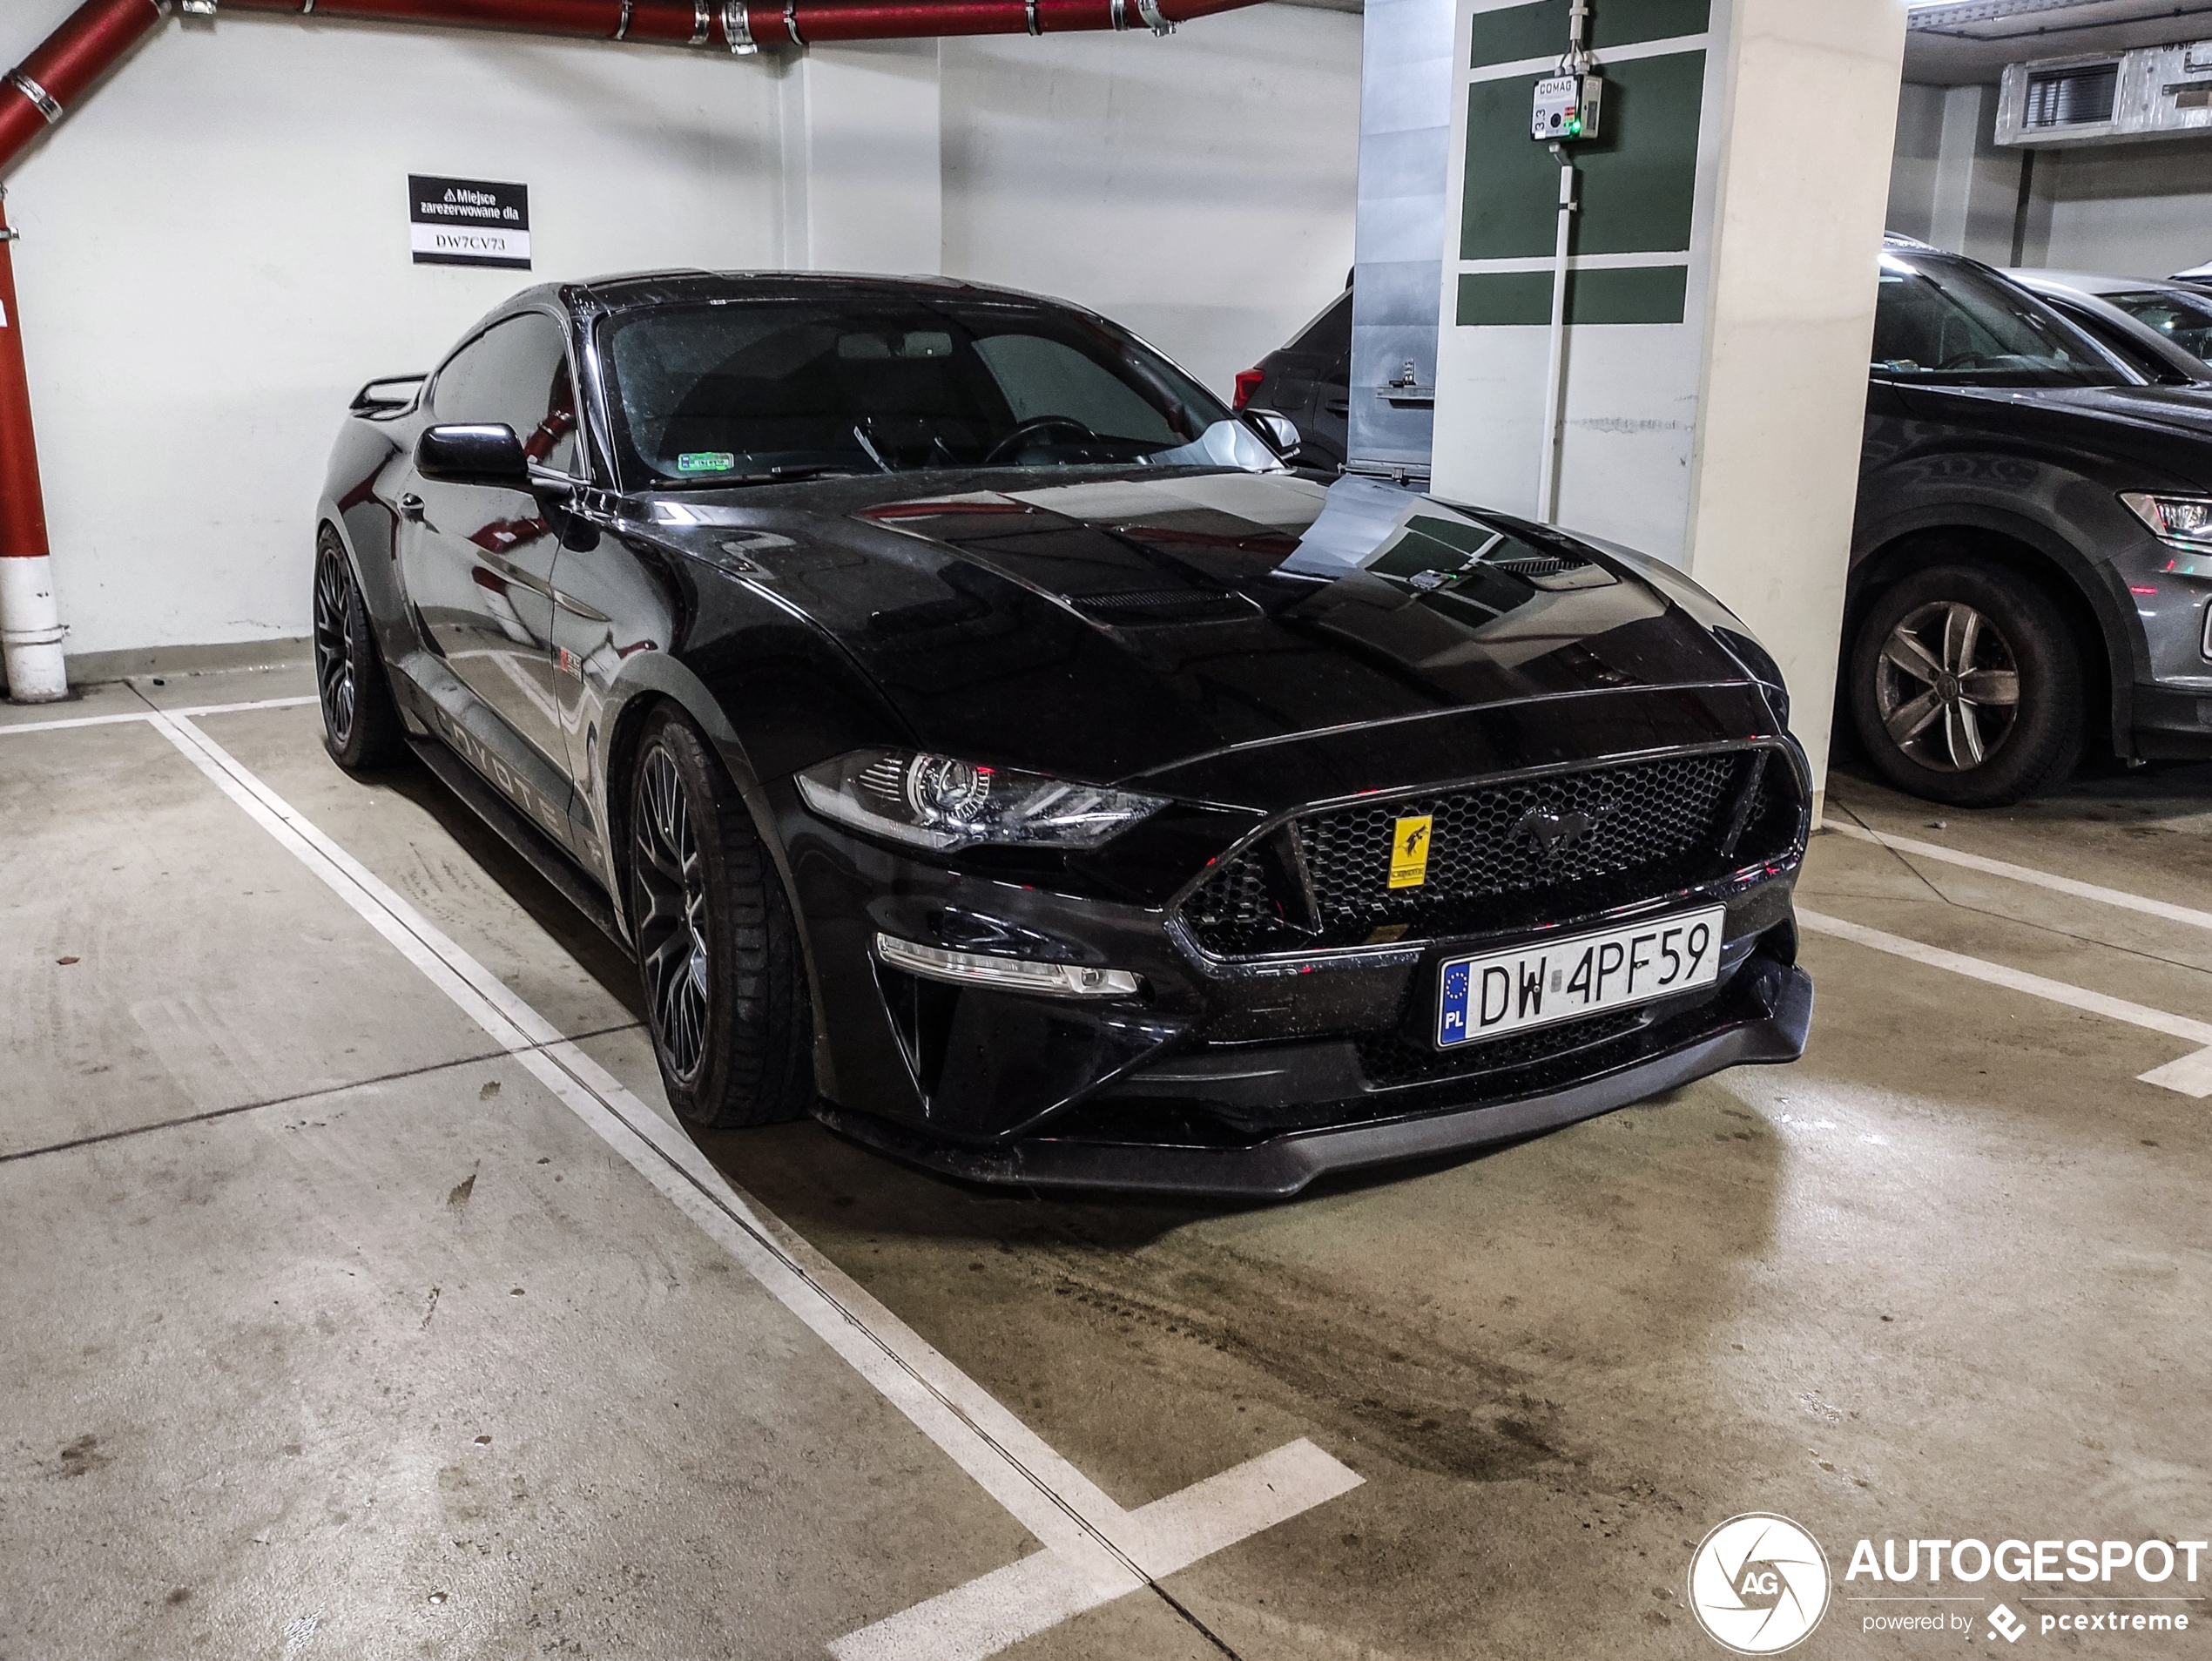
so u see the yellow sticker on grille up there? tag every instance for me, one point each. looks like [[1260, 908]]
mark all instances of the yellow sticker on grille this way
[[1409, 853]]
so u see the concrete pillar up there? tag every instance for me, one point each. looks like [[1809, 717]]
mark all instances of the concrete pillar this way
[[863, 179], [1789, 313], [1720, 292]]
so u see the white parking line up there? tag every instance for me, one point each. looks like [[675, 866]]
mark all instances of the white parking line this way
[[2191, 1075], [2119, 897], [9, 729], [1095, 1551]]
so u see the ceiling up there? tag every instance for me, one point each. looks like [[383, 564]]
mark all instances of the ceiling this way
[[1955, 42]]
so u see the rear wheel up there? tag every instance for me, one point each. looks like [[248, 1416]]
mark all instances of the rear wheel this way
[[360, 725], [1967, 686], [725, 989]]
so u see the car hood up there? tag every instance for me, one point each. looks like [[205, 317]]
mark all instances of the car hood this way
[[1108, 625], [2166, 428]]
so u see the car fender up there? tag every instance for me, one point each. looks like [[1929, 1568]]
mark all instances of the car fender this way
[[2090, 578]]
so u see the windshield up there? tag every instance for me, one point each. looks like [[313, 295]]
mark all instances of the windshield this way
[[1952, 324], [2187, 323], [757, 390]]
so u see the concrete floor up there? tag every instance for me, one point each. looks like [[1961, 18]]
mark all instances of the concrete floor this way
[[326, 1328]]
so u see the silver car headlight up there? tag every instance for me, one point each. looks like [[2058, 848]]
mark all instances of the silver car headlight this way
[[938, 802], [2178, 521]]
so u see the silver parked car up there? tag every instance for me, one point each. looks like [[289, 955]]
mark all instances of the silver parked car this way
[[2161, 329]]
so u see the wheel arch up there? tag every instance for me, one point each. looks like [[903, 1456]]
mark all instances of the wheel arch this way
[[2070, 580], [659, 681]]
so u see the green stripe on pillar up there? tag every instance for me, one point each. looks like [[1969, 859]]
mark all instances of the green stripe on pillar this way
[[1540, 30], [1626, 294], [1504, 299], [1623, 294]]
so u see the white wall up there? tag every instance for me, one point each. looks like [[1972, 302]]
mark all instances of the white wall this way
[[2135, 210], [1199, 189], [215, 249], [2139, 210]]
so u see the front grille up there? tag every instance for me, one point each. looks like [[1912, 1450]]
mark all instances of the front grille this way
[[1631, 830]]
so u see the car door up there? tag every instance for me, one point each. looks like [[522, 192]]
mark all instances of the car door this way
[[479, 560]]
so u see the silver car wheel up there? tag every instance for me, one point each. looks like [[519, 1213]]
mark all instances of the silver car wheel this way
[[1948, 686]]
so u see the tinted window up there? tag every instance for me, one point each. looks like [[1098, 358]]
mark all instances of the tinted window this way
[[1330, 334], [1953, 323], [517, 374], [2128, 348], [2187, 323], [758, 389]]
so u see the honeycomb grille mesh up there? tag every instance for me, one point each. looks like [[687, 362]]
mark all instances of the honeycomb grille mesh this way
[[1643, 828]]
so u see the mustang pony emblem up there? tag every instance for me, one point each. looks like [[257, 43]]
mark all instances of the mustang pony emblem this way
[[1554, 832]]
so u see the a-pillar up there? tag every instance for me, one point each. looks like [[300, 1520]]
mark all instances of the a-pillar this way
[[863, 174], [1719, 302]]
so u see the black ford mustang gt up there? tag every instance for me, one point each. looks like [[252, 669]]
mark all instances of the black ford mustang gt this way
[[984, 742]]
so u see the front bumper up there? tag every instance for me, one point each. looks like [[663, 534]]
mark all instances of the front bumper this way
[[1227, 1076], [1761, 1016]]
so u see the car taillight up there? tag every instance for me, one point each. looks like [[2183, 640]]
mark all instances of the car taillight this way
[[1247, 384]]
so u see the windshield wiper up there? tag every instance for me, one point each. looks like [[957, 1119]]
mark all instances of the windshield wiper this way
[[773, 475]]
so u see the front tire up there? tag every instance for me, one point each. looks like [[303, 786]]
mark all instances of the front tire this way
[[361, 724], [725, 983], [1966, 687]]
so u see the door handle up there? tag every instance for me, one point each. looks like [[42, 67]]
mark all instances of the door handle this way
[[411, 507], [1335, 407]]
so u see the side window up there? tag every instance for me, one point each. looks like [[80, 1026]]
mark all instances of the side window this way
[[516, 373], [1041, 377], [1330, 334]]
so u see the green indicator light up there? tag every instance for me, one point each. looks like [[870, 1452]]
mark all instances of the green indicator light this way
[[1573, 128]]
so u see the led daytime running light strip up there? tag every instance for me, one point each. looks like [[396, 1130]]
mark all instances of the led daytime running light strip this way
[[1012, 974]]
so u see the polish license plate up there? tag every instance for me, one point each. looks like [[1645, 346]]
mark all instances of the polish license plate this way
[[1535, 985]]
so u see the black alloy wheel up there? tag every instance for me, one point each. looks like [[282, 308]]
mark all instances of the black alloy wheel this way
[[1965, 686], [725, 986], [360, 726]]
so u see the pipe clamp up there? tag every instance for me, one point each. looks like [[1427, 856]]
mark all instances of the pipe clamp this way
[[702, 22], [1029, 17], [790, 22], [40, 98], [622, 29], [197, 8], [1149, 11], [737, 28]]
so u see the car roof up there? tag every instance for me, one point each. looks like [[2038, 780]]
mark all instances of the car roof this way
[[631, 290], [2088, 282]]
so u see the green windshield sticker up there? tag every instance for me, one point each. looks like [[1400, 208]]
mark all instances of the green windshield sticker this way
[[706, 461]]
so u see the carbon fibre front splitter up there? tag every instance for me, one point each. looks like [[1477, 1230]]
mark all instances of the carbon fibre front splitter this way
[[1279, 1167]]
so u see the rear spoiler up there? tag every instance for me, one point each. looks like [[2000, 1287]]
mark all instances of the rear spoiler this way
[[389, 395]]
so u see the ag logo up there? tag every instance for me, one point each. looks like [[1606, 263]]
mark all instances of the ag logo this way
[[1758, 1584]]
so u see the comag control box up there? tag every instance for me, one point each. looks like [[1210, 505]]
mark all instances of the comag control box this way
[[1567, 108]]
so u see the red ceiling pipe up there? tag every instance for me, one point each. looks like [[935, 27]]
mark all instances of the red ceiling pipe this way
[[745, 25], [40, 89], [30, 623]]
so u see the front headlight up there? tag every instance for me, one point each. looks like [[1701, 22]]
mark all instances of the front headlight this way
[[934, 802], [2178, 521]]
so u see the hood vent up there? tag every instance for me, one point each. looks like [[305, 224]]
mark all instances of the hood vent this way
[[1134, 607]]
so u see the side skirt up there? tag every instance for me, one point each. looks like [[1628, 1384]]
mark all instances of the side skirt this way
[[545, 857]]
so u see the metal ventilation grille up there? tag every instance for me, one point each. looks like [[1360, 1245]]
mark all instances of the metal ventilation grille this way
[[2072, 98], [1648, 827]]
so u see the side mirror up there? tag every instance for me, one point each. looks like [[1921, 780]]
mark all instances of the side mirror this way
[[472, 454], [1278, 431]]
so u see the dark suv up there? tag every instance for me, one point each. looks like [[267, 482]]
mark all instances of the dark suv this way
[[2033, 550], [1309, 381]]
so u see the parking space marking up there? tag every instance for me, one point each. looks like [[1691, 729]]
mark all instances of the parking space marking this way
[[8, 729], [2191, 1075], [1095, 1551], [2119, 897]]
